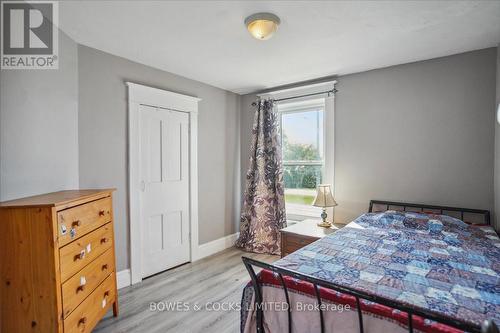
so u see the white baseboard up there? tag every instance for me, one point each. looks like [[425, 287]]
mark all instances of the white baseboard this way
[[123, 278], [207, 249]]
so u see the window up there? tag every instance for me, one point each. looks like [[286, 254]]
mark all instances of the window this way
[[302, 137]]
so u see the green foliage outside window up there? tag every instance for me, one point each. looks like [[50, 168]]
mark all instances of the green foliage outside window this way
[[297, 174], [299, 151]]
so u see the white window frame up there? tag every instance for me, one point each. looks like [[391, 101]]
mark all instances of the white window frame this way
[[328, 133], [301, 213]]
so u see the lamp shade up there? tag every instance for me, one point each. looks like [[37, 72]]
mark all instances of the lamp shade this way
[[324, 197]]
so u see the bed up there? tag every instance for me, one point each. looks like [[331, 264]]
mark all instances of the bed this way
[[400, 267]]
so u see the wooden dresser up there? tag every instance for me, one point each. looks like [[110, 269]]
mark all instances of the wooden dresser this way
[[57, 262], [303, 233]]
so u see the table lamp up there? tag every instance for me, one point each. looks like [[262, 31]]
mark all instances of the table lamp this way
[[324, 199]]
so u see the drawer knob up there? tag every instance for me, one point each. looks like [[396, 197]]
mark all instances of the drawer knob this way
[[82, 321], [101, 213], [77, 223], [81, 255], [83, 280], [104, 267], [80, 288], [104, 240], [106, 293]]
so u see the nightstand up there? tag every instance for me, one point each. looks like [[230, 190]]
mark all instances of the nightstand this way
[[303, 233]]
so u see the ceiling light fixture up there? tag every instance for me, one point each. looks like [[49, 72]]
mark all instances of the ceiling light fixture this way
[[262, 25]]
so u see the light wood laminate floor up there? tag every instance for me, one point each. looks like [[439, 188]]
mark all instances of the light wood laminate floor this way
[[219, 278]]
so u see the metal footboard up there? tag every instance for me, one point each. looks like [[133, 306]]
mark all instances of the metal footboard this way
[[488, 327]]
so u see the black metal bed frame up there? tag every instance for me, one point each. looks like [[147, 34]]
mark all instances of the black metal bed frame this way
[[440, 209], [487, 327]]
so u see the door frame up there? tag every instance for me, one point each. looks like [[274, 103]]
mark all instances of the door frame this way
[[139, 94]]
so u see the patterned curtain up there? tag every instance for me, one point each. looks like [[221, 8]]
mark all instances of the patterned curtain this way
[[263, 213]]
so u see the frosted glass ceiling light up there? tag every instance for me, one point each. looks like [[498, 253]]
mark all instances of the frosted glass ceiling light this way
[[262, 25]]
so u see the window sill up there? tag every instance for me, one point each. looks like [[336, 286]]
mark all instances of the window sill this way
[[302, 212]]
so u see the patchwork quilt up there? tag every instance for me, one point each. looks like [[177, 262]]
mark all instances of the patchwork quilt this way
[[433, 262]]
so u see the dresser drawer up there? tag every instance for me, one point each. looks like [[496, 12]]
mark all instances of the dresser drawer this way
[[76, 255], [92, 309], [75, 222], [85, 281], [290, 248], [298, 240], [292, 242]]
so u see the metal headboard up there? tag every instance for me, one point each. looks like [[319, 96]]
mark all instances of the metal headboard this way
[[465, 214]]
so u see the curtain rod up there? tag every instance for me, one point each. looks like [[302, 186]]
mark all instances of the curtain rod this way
[[331, 91]]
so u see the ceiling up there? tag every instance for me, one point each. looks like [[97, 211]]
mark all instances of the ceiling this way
[[207, 40]]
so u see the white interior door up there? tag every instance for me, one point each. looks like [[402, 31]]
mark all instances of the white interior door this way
[[164, 199]]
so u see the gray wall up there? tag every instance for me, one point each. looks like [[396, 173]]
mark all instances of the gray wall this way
[[246, 123], [38, 127], [419, 132], [103, 141], [497, 149]]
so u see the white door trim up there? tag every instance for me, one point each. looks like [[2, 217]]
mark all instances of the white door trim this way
[[143, 95]]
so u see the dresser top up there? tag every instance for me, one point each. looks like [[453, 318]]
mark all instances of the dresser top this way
[[56, 199], [310, 228]]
